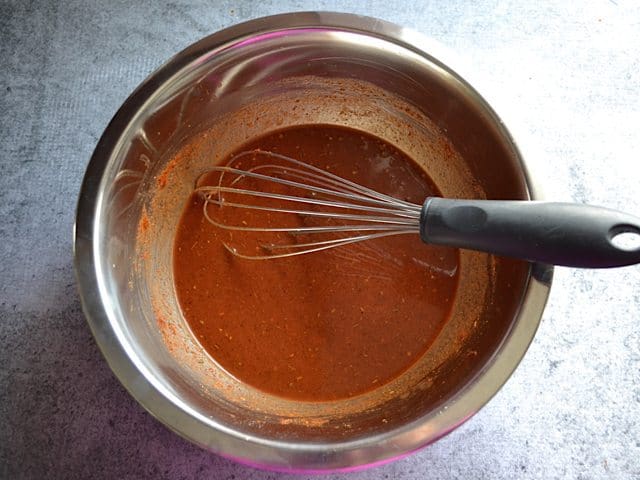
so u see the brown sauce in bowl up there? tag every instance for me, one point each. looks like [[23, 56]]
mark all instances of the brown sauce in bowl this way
[[327, 325]]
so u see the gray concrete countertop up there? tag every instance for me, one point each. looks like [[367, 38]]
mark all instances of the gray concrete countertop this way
[[571, 410]]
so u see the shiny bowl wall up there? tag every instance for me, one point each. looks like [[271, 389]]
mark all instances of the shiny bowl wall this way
[[248, 80]]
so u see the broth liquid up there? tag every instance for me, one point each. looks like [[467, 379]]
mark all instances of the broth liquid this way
[[326, 325]]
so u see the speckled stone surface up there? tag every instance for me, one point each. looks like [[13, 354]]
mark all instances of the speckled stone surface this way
[[571, 410]]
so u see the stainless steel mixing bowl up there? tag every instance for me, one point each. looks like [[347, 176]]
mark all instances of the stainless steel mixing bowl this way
[[361, 72]]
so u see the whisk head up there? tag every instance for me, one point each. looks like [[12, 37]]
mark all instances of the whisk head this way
[[291, 208]]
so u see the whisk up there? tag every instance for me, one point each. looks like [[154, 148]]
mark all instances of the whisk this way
[[319, 210]]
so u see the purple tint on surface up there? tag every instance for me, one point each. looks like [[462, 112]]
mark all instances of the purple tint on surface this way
[[356, 468], [268, 63], [304, 471], [274, 35]]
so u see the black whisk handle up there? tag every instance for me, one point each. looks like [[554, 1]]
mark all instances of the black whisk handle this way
[[565, 234]]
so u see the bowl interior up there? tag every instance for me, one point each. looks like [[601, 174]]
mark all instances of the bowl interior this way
[[229, 93]]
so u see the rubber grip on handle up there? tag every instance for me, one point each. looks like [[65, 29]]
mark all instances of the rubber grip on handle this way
[[567, 234]]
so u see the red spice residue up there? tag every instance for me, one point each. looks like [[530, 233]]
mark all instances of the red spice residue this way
[[144, 223], [163, 177], [142, 236]]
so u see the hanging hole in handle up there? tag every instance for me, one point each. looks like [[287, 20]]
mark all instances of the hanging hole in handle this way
[[626, 238]]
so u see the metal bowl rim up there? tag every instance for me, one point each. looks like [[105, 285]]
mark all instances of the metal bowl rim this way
[[277, 454]]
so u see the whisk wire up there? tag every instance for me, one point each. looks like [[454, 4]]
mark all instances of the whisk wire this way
[[348, 207], [310, 247], [328, 182], [207, 191], [313, 213], [319, 173], [290, 183]]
